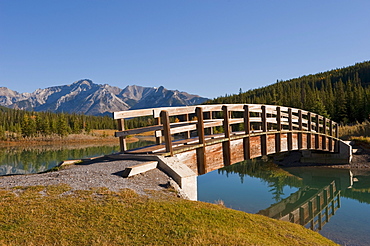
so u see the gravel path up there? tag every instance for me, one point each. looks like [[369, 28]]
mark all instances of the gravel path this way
[[98, 173]]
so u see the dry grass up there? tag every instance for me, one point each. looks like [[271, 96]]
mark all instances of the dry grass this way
[[357, 130], [55, 215]]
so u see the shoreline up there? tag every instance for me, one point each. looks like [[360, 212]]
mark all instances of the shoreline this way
[[95, 173], [70, 140]]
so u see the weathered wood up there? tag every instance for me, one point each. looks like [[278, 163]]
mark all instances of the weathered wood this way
[[201, 155], [290, 135], [300, 127], [174, 110], [132, 113], [264, 129], [278, 128], [309, 129], [272, 129], [246, 140], [226, 149], [186, 133], [324, 137], [122, 140], [331, 134], [158, 140], [317, 140], [166, 131]]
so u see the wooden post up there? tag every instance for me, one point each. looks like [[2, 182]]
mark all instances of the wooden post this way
[[309, 128], [158, 140], [187, 133], [324, 136], [167, 131], [278, 128], [122, 140], [317, 141], [201, 157], [300, 124], [331, 135], [336, 146], [264, 129], [246, 140], [210, 116], [290, 135], [226, 149]]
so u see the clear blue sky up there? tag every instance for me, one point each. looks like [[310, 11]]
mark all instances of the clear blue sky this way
[[205, 47]]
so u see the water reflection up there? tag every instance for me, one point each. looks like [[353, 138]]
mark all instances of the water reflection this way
[[36, 159], [319, 190], [275, 177], [310, 207]]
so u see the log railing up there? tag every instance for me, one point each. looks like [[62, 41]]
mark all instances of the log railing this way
[[234, 121]]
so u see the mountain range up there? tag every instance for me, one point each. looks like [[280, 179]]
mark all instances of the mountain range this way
[[86, 97]]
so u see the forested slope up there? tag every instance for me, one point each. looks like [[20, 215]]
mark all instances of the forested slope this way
[[341, 94]]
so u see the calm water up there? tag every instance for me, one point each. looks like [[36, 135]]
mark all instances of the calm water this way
[[254, 185], [26, 160]]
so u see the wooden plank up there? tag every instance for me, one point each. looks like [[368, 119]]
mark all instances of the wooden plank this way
[[166, 131], [138, 130], [122, 140], [174, 110], [132, 113]]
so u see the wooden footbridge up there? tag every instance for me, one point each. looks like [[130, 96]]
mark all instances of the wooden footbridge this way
[[208, 137]]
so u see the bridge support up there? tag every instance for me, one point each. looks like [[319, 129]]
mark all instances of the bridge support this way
[[343, 156], [174, 167]]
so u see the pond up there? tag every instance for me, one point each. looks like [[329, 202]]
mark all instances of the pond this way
[[253, 186], [36, 159]]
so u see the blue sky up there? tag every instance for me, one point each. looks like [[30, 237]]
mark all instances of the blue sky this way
[[205, 47]]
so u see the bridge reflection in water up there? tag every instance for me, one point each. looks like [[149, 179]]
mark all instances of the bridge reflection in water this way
[[311, 207], [317, 199]]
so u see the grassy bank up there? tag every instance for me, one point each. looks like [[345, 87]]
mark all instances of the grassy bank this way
[[42, 216], [93, 137], [355, 130]]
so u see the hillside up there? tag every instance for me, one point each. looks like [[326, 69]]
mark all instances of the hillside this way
[[341, 94], [86, 97]]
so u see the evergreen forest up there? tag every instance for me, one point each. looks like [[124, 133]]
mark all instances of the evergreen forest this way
[[340, 94], [15, 124]]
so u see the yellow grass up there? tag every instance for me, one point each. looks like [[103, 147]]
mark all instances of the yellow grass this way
[[55, 215]]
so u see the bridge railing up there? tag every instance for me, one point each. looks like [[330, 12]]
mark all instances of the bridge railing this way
[[230, 121]]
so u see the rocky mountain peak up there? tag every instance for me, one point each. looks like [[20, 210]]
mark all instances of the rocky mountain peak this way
[[86, 97]]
